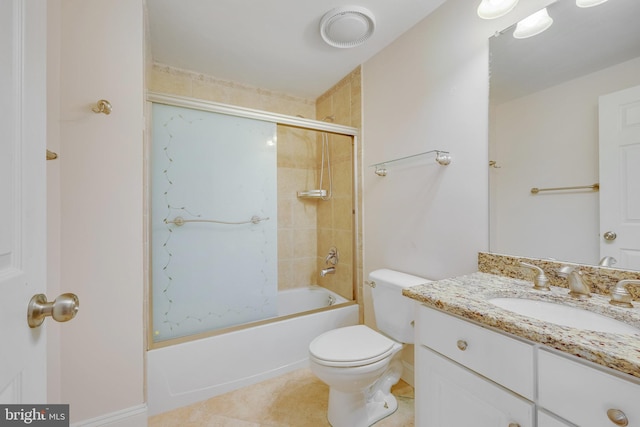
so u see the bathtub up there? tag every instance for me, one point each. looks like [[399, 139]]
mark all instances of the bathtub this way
[[186, 373]]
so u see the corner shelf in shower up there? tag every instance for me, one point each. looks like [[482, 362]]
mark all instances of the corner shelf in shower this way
[[442, 157], [312, 194]]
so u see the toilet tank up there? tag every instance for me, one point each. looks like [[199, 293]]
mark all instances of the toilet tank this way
[[394, 313]]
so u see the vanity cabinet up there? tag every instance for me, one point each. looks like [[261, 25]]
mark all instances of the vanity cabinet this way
[[448, 395], [467, 375], [585, 395], [548, 420]]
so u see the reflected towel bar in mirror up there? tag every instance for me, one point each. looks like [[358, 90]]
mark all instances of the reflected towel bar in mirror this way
[[179, 221], [594, 187]]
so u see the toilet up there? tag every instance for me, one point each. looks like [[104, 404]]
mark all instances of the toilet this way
[[360, 364]]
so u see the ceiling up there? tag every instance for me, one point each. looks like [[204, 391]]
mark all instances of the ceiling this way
[[580, 41], [273, 45]]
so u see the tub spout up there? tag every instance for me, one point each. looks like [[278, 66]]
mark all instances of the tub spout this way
[[329, 270]]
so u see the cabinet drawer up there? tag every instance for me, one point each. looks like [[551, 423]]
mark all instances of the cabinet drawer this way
[[505, 360], [582, 394]]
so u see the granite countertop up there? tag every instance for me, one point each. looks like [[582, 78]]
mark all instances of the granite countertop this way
[[468, 297]]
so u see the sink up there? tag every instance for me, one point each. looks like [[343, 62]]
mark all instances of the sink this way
[[564, 315]]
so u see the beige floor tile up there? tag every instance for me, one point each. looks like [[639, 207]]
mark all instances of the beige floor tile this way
[[296, 399]]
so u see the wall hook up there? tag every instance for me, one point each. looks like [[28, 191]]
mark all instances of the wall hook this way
[[102, 106]]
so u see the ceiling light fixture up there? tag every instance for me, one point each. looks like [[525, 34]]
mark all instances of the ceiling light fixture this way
[[533, 24], [491, 9], [589, 3], [348, 26]]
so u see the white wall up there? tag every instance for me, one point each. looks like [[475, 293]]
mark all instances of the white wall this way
[[100, 211], [429, 90], [550, 139]]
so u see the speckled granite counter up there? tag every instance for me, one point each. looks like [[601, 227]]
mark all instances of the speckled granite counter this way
[[468, 297]]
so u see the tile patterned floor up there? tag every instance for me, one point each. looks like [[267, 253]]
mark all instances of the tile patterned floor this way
[[297, 399]]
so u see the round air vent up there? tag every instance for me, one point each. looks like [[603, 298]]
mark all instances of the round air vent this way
[[347, 26]]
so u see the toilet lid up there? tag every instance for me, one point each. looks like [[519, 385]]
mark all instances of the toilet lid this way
[[350, 346]]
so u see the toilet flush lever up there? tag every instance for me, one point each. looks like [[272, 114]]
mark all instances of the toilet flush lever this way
[[62, 309], [370, 283]]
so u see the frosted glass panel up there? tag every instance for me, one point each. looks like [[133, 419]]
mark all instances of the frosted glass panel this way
[[206, 275]]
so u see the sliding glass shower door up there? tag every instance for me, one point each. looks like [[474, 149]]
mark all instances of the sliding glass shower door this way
[[213, 221]]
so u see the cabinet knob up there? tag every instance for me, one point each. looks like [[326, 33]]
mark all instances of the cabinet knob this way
[[462, 345], [617, 417]]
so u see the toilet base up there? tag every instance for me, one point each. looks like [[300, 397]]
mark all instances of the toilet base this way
[[365, 408], [350, 410]]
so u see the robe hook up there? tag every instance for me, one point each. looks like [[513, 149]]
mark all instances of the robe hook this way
[[102, 106]]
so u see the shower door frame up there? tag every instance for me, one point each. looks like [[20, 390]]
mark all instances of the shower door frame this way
[[278, 119]]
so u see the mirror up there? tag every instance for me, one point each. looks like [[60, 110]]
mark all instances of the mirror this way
[[544, 129]]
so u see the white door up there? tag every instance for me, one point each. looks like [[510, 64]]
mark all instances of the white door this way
[[620, 177], [22, 197]]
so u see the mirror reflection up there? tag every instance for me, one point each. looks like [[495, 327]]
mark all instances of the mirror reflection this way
[[565, 119]]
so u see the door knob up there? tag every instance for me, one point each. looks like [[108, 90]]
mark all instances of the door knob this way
[[62, 309], [609, 235]]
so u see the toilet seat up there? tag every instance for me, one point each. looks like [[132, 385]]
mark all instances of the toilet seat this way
[[351, 346]]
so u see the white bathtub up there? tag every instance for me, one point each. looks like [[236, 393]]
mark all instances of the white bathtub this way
[[186, 373]]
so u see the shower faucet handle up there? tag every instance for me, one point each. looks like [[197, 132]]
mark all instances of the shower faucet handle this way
[[332, 257]]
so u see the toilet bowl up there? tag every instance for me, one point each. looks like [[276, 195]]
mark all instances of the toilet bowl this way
[[356, 363], [359, 364]]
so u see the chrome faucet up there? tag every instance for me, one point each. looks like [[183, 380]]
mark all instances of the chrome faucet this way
[[607, 261], [540, 282], [328, 270], [620, 295], [577, 288]]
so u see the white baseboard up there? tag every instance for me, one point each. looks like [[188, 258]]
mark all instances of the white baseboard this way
[[136, 416], [408, 374]]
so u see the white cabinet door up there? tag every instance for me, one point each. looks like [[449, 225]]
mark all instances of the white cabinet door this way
[[22, 197], [546, 420], [448, 395], [586, 396]]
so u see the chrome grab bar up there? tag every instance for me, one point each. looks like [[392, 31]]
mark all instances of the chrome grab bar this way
[[179, 221]]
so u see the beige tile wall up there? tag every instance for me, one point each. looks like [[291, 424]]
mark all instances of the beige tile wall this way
[[306, 228]]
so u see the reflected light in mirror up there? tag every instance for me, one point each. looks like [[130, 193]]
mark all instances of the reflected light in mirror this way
[[533, 24], [491, 9], [589, 3]]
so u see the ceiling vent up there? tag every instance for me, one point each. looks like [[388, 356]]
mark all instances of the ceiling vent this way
[[347, 26]]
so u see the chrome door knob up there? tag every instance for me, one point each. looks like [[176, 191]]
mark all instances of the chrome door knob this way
[[62, 309], [609, 235]]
